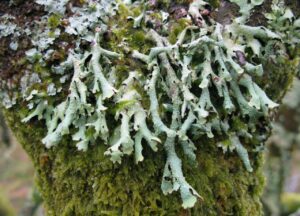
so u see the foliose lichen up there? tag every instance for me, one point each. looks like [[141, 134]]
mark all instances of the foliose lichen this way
[[198, 81]]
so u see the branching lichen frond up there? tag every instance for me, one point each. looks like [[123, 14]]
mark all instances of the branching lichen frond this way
[[97, 52]]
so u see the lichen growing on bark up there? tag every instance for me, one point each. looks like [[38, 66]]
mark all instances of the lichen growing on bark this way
[[169, 89]]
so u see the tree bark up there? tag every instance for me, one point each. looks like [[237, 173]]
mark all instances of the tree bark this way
[[88, 183]]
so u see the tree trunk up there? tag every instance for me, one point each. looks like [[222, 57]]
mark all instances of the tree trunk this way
[[73, 182]]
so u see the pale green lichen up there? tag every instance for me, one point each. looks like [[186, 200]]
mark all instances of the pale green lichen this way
[[182, 76], [7, 27], [54, 6]]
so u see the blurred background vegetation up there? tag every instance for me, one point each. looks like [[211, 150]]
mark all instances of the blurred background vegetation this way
[[18, 195], [282, 165]]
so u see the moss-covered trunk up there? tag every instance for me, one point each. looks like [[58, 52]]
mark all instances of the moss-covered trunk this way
[[72, 182], [77, 183]]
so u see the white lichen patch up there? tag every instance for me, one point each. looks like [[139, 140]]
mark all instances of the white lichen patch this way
[[54, 6], [7, 27]]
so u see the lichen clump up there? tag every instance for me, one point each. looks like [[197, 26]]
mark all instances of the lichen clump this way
[[197, 80]]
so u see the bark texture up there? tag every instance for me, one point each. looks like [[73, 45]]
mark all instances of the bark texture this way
[[87, 183]]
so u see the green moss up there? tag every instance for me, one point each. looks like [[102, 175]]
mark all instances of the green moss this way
[[38, 68], [138, 38], [54, 21], [88, 183], [214, 3], [124, 33], [283, 76], [124, 11], [238, 124], [177, 27]]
